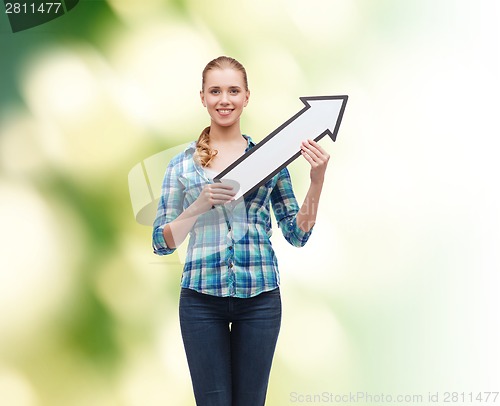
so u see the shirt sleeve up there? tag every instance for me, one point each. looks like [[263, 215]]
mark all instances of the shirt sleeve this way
[[170, 206], [285, 208]]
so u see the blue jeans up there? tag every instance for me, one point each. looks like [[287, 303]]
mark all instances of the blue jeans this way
[[229, 345]]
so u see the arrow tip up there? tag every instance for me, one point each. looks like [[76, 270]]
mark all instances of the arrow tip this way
[[327, 110]]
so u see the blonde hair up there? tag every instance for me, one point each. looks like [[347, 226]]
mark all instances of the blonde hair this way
[[204, 154]]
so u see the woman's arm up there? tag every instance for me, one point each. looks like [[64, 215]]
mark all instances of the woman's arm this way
[[176, 231], [173, 223], [212, 194], [318, 158]]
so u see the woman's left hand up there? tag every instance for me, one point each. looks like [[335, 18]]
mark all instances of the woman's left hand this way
[[317, 157]]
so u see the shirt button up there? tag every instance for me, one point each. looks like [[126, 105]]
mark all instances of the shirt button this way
[[231, 247]]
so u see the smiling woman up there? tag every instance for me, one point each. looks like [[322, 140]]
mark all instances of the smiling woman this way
[[230, 301]]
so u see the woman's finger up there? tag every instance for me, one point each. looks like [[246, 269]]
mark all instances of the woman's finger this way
[[319, 149], [306, 156], [221, 196], [311, 154], [221, 188], [315, 151]]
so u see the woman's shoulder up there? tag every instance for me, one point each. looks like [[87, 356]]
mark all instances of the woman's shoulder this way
[[184, 155]]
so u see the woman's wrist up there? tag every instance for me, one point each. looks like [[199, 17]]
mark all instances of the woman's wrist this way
[[316, 186], [196, 209]]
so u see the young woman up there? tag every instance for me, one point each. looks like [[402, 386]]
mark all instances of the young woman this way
[[230, 305]]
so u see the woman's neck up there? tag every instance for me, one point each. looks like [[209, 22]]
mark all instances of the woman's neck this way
[[222, 135]]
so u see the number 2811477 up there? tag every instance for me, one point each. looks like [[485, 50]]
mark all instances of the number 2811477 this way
[[32, 8]]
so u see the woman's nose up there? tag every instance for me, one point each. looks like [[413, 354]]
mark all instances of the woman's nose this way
[[224, 99]]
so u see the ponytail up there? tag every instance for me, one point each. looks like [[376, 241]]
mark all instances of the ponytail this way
[[204, 154]]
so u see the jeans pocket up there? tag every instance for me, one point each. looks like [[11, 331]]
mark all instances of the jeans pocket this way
[[188, 293]]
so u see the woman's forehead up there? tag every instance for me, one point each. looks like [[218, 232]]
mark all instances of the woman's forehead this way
[[224, 78]]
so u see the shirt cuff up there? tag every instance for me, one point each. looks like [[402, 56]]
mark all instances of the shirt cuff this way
[[293, 234], [160, 246], [300, 234]]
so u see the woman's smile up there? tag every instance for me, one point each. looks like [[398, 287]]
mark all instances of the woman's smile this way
[[224, 112]]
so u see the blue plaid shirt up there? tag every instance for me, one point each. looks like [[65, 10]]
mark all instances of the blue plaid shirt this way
[[229, 251]]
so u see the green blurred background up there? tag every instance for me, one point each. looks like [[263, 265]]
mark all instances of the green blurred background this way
[[397, 290]]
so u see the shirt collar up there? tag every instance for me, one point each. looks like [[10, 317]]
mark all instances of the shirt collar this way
[[192, 146]]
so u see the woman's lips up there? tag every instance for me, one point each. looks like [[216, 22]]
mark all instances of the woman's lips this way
[[224, 112]]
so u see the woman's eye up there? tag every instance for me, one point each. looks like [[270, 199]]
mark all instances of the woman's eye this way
[[215, 92]]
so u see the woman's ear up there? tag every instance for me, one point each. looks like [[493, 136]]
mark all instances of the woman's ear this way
[[246, 98], [202, 97]]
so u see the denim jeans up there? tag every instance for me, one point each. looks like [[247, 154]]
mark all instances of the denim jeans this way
[[229, 345]]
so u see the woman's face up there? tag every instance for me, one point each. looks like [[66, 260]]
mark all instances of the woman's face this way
[[224, 96]]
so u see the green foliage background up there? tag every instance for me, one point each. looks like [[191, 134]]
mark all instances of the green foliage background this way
[[397, 291]]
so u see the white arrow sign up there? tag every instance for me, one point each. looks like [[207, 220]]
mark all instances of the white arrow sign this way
[[321, 116]]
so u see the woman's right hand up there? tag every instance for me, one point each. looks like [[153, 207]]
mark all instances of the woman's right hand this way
[[214, 194]]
